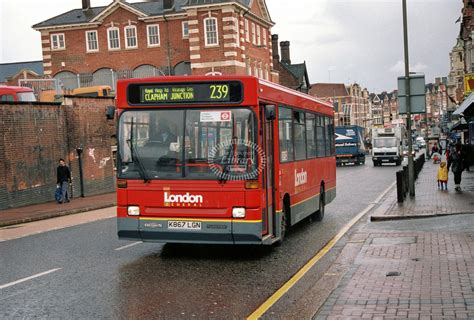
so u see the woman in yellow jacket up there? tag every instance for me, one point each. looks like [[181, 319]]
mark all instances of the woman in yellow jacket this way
[[443, 176]]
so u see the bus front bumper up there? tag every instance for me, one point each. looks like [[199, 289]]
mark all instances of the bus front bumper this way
[[231, 231]]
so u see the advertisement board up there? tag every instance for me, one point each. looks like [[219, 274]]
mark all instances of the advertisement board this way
[[468, 83]]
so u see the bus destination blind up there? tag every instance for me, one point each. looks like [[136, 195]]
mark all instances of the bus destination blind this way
[[181, 93]]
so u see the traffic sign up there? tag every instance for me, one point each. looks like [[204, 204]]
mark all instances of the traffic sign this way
[[417, 94]]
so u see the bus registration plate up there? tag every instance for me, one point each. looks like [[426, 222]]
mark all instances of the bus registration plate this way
[[184, 225]]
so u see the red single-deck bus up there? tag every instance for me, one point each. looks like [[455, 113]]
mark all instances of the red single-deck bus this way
[[228, 159]]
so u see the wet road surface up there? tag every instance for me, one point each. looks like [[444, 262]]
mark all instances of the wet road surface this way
[[88, 273]]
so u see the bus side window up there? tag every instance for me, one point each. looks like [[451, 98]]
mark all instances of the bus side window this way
[[285, 125], [327, 135], [299, 127], [320, 140], [311, 135]]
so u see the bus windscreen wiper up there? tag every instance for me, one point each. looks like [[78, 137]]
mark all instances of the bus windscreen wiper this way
[[136, 156]]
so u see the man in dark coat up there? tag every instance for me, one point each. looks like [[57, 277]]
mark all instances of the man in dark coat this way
[[63, 180]]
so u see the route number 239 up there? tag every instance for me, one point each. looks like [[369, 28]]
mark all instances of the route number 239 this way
[[219, 91]]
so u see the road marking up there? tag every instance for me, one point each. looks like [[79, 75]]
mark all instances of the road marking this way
[[298, 275], [128, 245], [29, 278]]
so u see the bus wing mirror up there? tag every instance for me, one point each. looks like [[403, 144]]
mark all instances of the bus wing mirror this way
[[270, 112], [110, 112]]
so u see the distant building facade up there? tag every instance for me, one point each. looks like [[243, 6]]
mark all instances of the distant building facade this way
[[351, 103], [384, 109], [161, 37], [11, 73]]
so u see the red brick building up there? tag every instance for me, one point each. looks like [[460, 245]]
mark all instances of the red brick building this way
[[198, 37]]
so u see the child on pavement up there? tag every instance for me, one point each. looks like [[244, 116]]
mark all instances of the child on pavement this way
[[443, 176]]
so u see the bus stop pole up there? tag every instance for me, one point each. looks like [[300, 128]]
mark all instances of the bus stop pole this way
[[411, 172]]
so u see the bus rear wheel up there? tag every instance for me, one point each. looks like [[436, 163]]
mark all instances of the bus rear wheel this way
[[319, 215]]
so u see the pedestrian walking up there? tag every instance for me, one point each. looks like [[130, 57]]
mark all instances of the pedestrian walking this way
[[434, 149], [443, 176], [455, 162], [63, 180]]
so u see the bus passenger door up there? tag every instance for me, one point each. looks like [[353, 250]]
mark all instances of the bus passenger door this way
[[268, 117]]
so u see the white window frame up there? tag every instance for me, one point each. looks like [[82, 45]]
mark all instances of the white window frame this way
[[157, 34], [183, 28], [118, 38], [58, 47], [206, 39], [126, 38], [259, 36], [247, 30], [254, 37], [96, 40]]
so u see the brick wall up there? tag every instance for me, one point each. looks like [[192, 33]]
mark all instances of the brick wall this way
[[35, 136]]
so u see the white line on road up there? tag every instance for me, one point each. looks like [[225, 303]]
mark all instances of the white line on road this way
[[28, 278], [128, 245]]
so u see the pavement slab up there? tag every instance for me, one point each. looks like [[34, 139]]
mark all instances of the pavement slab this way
[[422, 274], [429, 201], [49, 210], [412, 275]]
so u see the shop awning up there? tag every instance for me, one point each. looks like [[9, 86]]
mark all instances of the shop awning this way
[[460, 126], [467, 107]]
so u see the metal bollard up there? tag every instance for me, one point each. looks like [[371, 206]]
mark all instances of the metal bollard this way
[[400, 187]]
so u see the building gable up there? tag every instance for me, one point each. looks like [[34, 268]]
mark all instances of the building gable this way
[[115, 6], [260, 10]]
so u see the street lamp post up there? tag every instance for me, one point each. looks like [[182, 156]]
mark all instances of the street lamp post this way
[[411, 172]]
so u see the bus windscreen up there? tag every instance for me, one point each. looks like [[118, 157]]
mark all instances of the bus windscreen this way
[[184, 93]]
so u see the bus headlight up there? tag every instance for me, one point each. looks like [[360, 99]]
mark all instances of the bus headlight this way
[[238, 212], [133, 211]]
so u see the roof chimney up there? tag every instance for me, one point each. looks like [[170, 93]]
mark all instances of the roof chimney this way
[[86, 4], [285, 52], [275, 49]]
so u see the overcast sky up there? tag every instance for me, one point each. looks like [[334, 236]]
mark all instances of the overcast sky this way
[[342, 41]]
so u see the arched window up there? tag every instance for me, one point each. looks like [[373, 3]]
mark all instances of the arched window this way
[[131, 37], [113, 38], [210, 32], [68, 79]]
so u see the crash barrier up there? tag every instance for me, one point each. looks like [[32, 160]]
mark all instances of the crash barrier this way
[[402, 178]]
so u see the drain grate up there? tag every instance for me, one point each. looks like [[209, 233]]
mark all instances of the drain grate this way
[[393, 274]]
